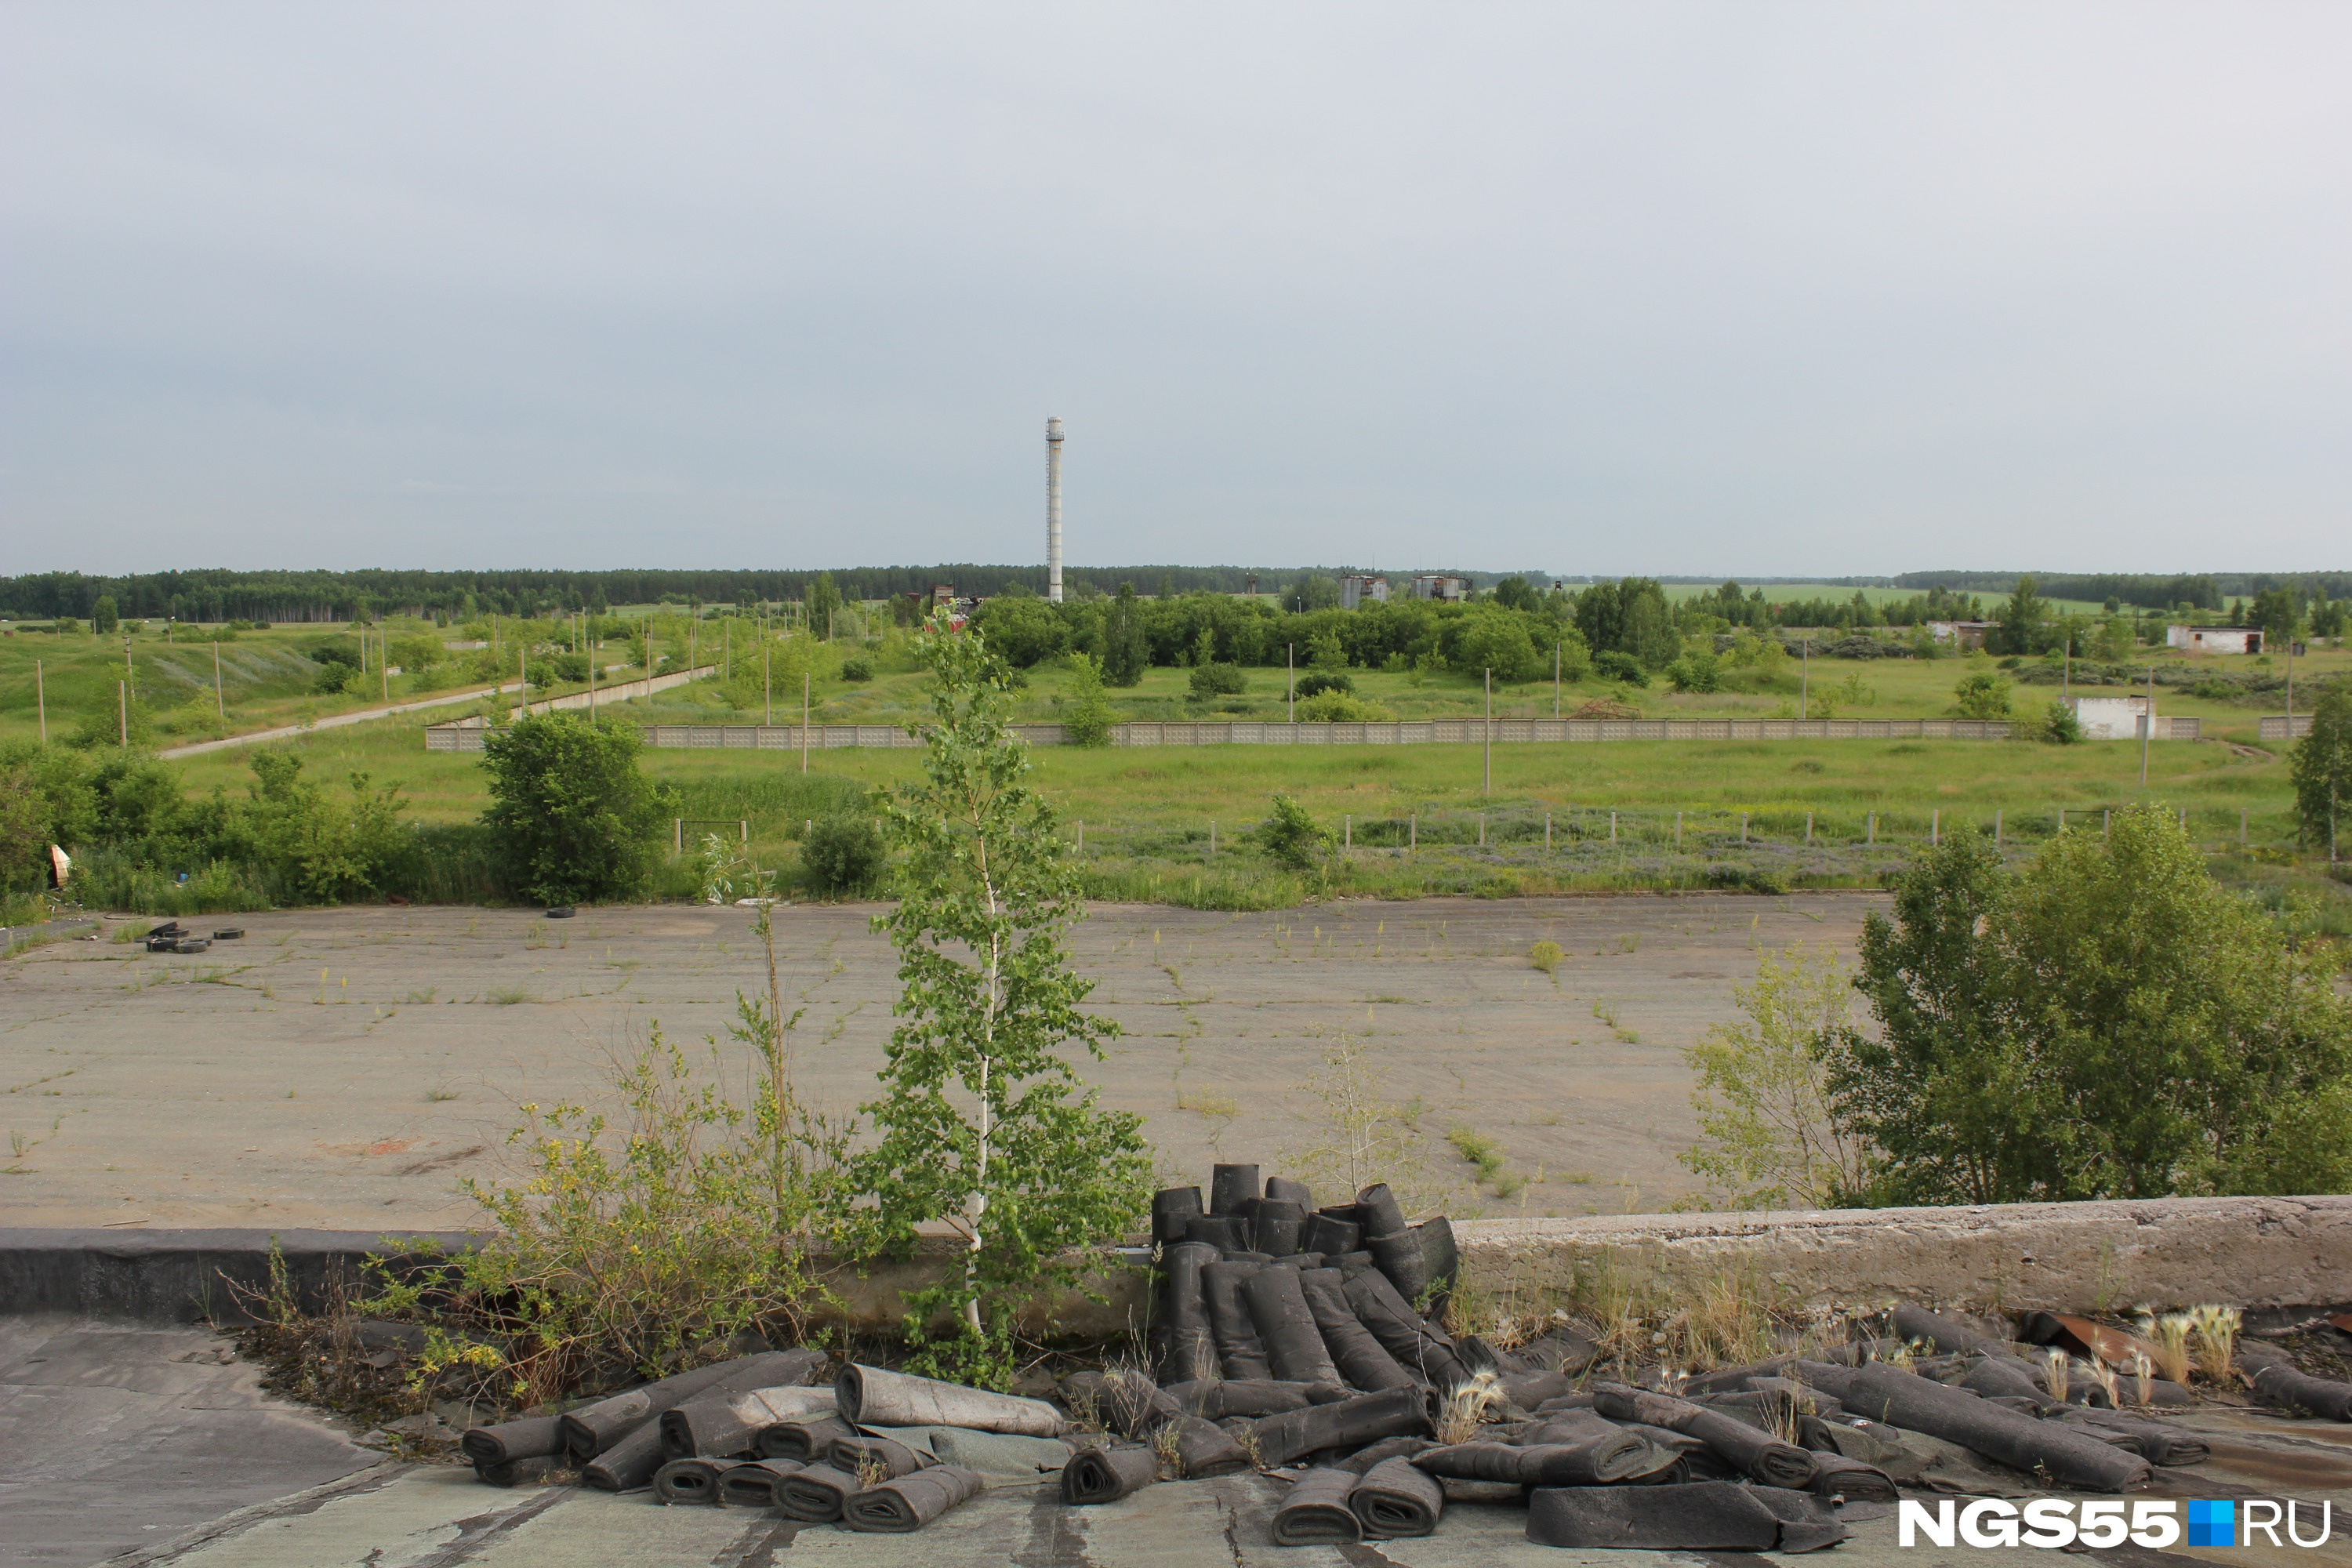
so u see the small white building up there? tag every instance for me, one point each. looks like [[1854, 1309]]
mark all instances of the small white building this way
[[1447, 590], [2215, 639], [2110, 718], [1356, 589], [1960, 634]]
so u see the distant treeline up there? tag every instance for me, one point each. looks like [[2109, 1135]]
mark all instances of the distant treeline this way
[[217, 594], [2201, 590]]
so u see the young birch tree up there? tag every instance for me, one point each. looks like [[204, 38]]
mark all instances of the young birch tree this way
[[982, 1125]]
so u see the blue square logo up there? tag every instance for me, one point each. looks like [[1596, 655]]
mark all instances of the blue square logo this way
[[2212, 1521]]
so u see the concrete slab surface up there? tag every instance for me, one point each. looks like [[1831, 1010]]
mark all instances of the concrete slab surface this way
[[341, 1069]]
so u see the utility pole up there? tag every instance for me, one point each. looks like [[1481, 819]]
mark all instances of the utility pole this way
[[1805, 679], [2067, 667], [41, 699], [383, 664], [1291, 666], [1555, 680], [1486, 781], [768, 680], [2289, 682], [220, 703], [2148, 726], [804, 719], [122, 710]]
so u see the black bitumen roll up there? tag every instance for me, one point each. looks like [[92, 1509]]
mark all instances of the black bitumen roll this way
[[2285, 1388], [2157, 1442], [910, 1502], [528, 1439], [1759, 1455], [1836, 1476], [1591, 1462], [1124, 1401], [1171, 1208], [1224, 1232], [1279, 1226], [1282, 1189], [1349, 1424], [1293, 1345], [628, 1464], [518, 1472], [861, 1454], [1441, 1255], [1411, 1341], [1698, 1516], [815, 1494], [1397, 1502], [1330, 1236], [1315, 1511], [1378, 1211], [593, 1429], [1401, 1258], [1105, 1475], [726, 1424], [753, 1483], [1358, 1355], [1904, 1399], [1240, 1351], [691, 1480], [804, 1441], [1219, 1401], [1230, 1186], [1204, 1450], [1947, 1334], [1362, 1460], [1191, 1349]]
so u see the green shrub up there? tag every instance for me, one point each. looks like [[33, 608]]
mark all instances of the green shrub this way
[[1089, 723], [2321, 766], [1316, 682], [857, 670], [1341, 708], [1692, 672], [2060, 727], [1292, 835], [1220, 680], [1612, 665], [842, 854], [574, 819], [1984, 695]]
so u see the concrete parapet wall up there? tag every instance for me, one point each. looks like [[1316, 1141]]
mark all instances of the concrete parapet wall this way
[[2087, 1256]]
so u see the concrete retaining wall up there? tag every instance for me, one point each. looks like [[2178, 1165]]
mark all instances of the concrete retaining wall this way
[[2098, 1257]]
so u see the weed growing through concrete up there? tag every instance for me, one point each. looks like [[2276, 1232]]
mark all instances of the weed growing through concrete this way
[[1545, 955]]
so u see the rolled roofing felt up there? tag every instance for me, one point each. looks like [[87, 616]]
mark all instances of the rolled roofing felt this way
[[869, 1396], [1835, 1475], [1881, 1393], [691, 1480], [1529, 1389], [1946, 1333], [1362, 1460], [863, 1454], [1323, 1233], [1560, 1350], [2285, 1388], [1105, 1475], [1378, 1211], [1412, 1342], [628, 1464], [1204, 1450], [512, 1440], [723, 1423], [1397, 1502], [753, 1483], [1441, 1254], [1594, 1462], [1279, 1226], [589, 1430], [1240, 1351], [803, 1441], [1361, 1361], [910, 1502], [2004, 1376], [518, 1472], [1315, 1511], [814, 1494], [1757, 1453], [1124, 1401], [1225, 1232], [1250, 1396], [1293, 1345], [1191, 1350], [1700, 1516], [1282, 1189], [1171, 1208], [2157, 1442], [1401, 1258], [1350, 1423], [1230, 1186]]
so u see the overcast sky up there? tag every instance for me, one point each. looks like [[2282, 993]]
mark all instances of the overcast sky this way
[[1773, 288]]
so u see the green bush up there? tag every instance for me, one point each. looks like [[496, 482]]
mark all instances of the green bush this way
[[573, 817], [842, 854], [1089, 723], [1612, 665], [857, 670], [1219, 681], [2321, 766], [1341, 708], [1692, 672], [1984, 695], [102, 616], [1317, 682], [1292, 835], [2060, 727]]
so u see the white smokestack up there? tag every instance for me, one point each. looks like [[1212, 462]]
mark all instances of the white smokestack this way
[[1053, 511]]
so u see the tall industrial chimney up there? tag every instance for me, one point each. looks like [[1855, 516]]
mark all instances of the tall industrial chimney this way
[[1053, 511]]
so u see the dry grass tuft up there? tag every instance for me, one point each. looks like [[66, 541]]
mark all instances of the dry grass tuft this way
[[2217, 1340], [1464, 1409], [2171, 1338], [2059, 1371]]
